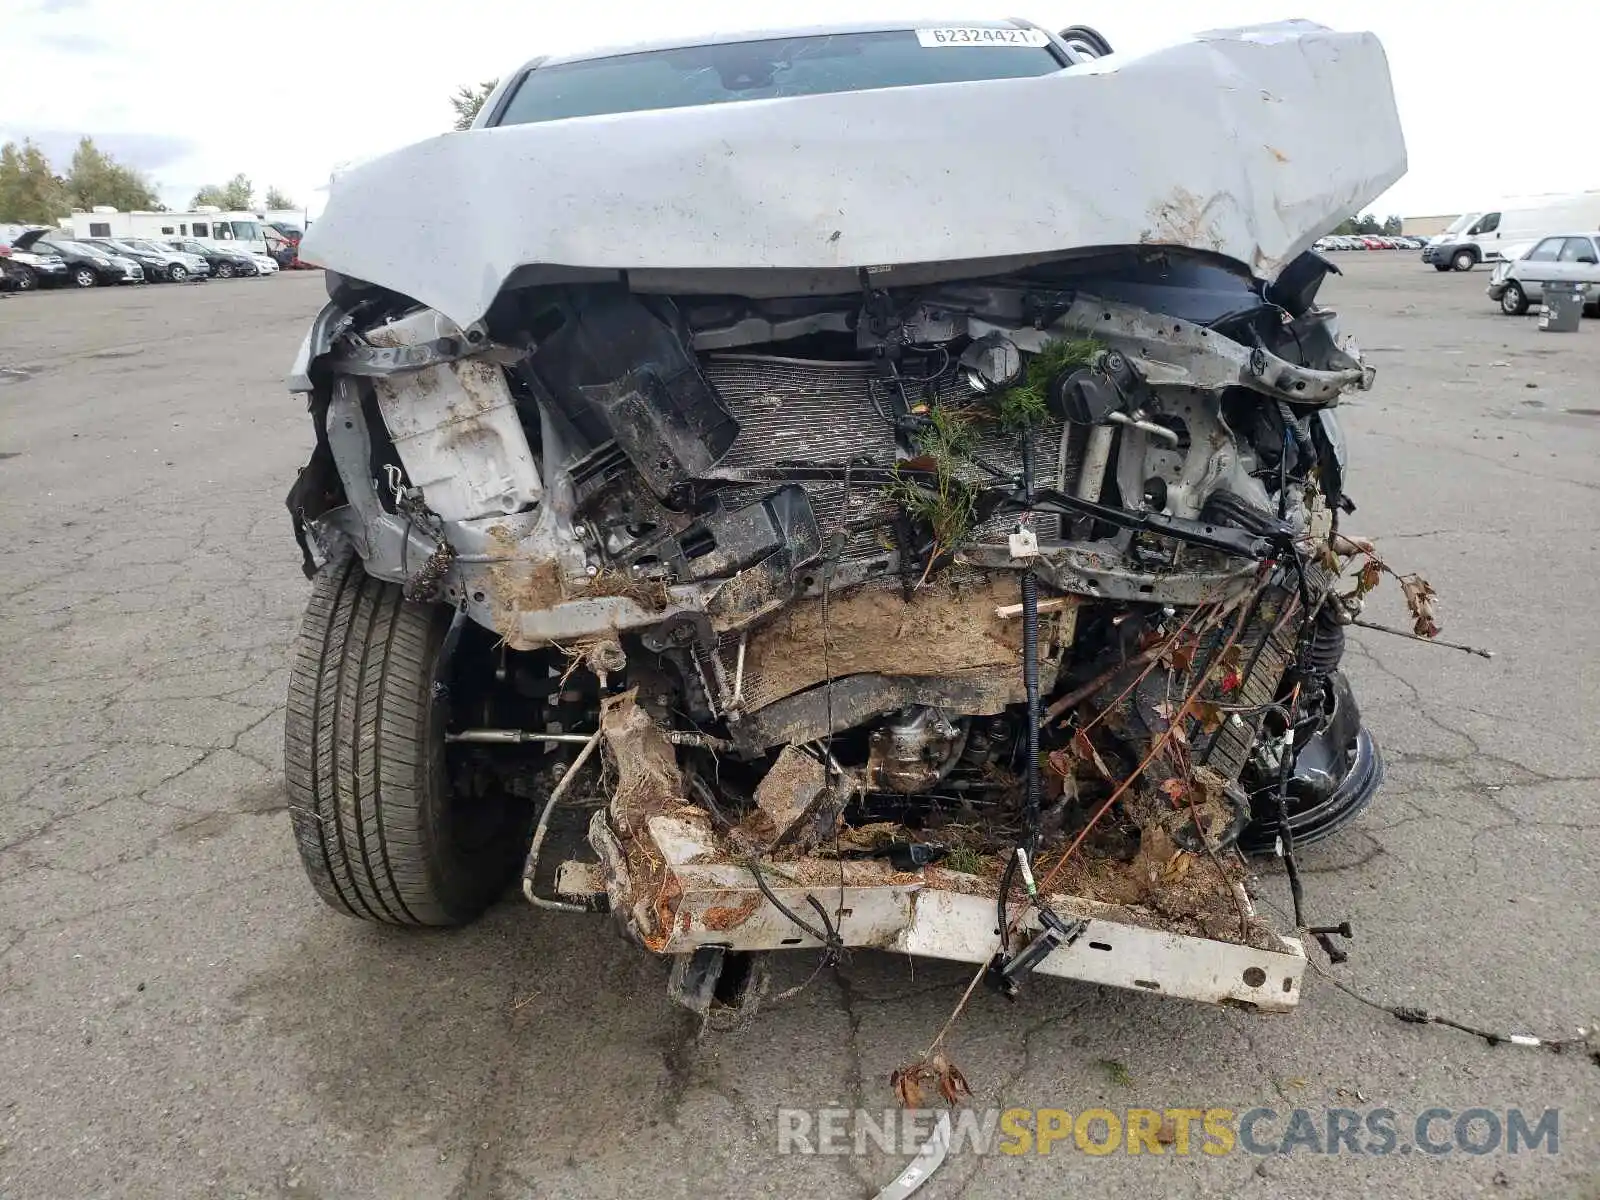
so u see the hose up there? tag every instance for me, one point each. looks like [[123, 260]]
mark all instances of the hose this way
[[544, 824]]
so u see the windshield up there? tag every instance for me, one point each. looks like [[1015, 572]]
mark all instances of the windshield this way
[[801, 66], [1462, 223], [243, 231], [149, 247], [80, 248]]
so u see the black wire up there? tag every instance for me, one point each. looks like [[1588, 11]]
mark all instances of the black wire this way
[[1030, 683], [1283, 474], [830, 939], [1421, 1016], [1302, 662], [1005, 892]]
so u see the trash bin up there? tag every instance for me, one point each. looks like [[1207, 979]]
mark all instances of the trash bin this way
[[1563, 306]]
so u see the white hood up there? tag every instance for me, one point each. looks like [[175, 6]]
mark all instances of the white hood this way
[[1248, 143]]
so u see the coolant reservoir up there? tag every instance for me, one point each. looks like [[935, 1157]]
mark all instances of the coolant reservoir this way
[[456, 428]]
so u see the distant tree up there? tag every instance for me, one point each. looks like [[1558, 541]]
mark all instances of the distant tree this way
[[97, 178], [237, 194], [1367, 223], [1392, 225], [278, 199], [468, 100], [30, 191]]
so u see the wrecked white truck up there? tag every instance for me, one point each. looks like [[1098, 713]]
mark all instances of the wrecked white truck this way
[[889, 476]]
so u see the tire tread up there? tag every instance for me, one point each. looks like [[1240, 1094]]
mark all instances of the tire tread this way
[[360, 770]]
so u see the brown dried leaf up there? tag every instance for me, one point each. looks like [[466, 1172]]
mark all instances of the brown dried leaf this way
[[1210, 715], [1180, 655], [1176, 867], [1167, 1131], [907, 1086], [1371, 575], [1084, 750], [952, 1083], [908, 1082], [922, 462], [1420, 596]]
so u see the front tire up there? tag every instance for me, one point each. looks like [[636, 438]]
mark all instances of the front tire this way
[[26, 278], [1513, 301], [381, 832], [178, 273], [225, 270], [84, 277], [1464, 260]]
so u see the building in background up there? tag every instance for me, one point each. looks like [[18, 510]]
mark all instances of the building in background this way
[[1425, 226]]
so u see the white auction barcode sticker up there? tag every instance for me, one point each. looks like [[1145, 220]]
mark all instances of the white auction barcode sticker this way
[[983, 36]]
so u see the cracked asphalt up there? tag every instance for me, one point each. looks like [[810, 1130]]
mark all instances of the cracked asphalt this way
[[182, 1018]]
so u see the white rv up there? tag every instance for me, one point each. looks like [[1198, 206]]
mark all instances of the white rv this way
[[1483, 236], [213, 226]]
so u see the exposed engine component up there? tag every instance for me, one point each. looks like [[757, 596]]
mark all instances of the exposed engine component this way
[[915, 749]]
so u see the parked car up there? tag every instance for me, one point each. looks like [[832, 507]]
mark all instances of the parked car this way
[[25, 271], [181, 265], [224, 264], [86, 265], [265, 263], [1561, 258], [156, 262], [10, 275]]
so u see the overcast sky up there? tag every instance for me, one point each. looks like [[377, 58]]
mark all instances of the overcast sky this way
[[1495, 98]]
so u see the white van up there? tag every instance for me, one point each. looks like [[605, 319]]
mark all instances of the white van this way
[[1483, 236]]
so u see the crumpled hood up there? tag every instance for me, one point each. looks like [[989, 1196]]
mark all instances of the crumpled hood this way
[[1248, 143]]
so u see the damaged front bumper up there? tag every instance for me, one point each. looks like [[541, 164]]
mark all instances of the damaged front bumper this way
[[699, 900]]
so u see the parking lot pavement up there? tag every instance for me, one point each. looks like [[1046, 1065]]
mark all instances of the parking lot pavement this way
[[181, 1017]]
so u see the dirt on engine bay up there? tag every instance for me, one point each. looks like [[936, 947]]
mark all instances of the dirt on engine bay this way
[[1142, 872], [944, 628], [648, 784]]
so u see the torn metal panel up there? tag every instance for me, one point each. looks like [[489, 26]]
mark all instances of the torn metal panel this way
[[1268, 138]]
